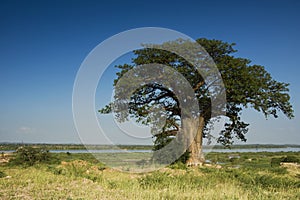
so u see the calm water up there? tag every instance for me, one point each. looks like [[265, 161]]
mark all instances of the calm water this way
[[205, 150], [292, 149]]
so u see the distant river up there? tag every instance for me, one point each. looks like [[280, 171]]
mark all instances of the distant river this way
[[205, 150], [287, 149], [101, 151]]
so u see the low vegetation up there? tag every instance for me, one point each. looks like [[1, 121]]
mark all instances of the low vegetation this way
[[28, 156], [224, 176]]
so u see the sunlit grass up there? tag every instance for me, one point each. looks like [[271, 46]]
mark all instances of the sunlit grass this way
[[76, 178]]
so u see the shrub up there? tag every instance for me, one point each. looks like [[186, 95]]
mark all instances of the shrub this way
[[293, 159], [2, 174], [276, 161], [30, 156]]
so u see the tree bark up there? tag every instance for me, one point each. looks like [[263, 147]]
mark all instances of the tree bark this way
[[196, 155]]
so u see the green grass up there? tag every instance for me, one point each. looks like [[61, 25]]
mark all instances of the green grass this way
[[81, 176]]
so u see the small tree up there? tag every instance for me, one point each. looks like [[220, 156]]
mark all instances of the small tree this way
[[246, 86]]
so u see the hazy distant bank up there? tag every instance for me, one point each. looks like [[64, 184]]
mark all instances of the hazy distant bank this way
[[14, 146]]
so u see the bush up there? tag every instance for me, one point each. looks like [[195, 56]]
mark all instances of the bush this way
[[276, 161], [30, 156], [2, 174], [292, 159]]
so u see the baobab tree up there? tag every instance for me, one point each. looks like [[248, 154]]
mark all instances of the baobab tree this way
[[246, 86]]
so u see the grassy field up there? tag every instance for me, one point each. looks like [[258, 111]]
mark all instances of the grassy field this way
[[226, 176]]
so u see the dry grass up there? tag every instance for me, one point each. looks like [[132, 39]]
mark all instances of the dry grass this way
[[80, 179]]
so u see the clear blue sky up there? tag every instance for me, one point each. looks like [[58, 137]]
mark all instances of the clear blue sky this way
[[43, 43]]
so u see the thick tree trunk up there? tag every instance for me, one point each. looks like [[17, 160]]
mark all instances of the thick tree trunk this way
[[195, 149]]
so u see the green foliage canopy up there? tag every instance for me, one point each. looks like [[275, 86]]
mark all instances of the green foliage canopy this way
[[246, 85]]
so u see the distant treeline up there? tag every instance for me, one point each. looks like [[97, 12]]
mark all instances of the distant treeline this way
[[14, 146]]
